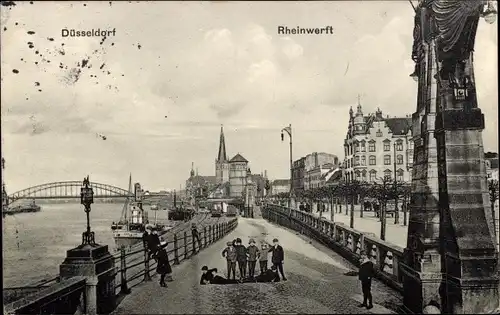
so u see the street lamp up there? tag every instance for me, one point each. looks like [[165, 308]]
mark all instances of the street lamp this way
[[86, 199], [288, 130]]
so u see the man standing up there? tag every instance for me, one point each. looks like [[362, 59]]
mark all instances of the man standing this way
[[253, 253], [366, 272], [278, 257], [241, 257], [195, 236], [230, 254]]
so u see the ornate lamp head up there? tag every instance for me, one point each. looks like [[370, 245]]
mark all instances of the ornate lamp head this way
[[86, 194]]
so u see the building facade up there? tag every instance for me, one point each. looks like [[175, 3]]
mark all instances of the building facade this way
[[316, 165], [238, 167], [280, 186], [376, 147], [298, 172]]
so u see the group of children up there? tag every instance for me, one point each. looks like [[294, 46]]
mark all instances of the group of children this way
[[237, 253]]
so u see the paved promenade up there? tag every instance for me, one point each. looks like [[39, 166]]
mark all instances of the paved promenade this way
[[316, 282], [395, 233]]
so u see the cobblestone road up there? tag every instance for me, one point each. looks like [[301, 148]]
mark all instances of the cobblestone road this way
[[316, 283]]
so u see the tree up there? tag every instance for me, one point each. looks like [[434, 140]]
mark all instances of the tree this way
[[267, 186], [351, 190], [383, 192]]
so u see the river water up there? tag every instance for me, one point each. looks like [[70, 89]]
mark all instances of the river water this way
[[42, 239]]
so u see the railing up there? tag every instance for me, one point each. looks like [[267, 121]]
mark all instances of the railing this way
[[65, 297], [344, 240], [52, 296], [136, 266]]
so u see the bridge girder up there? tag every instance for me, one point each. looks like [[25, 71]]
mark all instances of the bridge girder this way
[[68, 189]]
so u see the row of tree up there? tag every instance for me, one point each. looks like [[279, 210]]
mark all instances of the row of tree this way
[[381, 193], [376, 195]]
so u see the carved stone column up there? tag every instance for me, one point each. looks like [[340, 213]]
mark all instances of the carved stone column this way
[[421, 268]]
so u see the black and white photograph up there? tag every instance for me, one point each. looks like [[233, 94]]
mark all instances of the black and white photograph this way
[[250, 157]]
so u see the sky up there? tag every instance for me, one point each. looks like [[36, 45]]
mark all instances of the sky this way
[[160, 89]]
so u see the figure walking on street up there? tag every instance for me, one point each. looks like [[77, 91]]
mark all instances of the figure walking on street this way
[[366, 272], [253, 253], [195, 236], [278, 257], [241, 257], [163, 267], [263, 257], [230, 254]]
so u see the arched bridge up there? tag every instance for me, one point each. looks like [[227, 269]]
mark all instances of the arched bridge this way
[[68, 189]]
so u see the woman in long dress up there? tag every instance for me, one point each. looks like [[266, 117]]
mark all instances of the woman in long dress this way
[[163, 267]]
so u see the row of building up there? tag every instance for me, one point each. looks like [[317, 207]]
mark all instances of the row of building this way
[[375, 147]]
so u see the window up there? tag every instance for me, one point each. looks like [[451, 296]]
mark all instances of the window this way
[[363, 175], [373, 175], [399, 145], [345, 150], [387, 159], [399, 159], [363, 160], [400, 175], [356, 161], [373, 160], [379, 133], [387, 145], [356, 147], [358, 175], [363, 148], [388, 174], [371, 146]]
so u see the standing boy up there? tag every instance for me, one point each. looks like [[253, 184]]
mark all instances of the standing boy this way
[[241, 257], [366, 272], [278, 257], [253, 253], [230, 254], [263, 257]]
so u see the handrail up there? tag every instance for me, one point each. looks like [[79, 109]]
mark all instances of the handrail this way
[[66, 296], [345, 240], [181, 250]]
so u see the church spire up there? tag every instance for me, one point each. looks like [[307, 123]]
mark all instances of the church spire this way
[[222, 146], [192, 169]]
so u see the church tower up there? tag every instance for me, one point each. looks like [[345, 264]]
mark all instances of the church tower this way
[[222, 163]]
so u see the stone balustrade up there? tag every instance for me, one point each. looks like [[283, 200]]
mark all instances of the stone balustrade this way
[[344, 240], [70, 296]]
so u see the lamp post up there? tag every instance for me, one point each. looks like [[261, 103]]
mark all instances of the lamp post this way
[[87, 198], [288, 130]]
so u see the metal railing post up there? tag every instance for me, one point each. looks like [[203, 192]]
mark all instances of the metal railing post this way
[[209, 234], [147, 277], [185, 245], [204, 236], [176, 252], [123, 272], [213, 234]]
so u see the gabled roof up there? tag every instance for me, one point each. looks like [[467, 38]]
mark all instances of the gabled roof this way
[[238, 158], [399, 126]]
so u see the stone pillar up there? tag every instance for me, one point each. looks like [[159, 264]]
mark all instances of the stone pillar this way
[[470, 255], [96, 264], [421, 268]]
